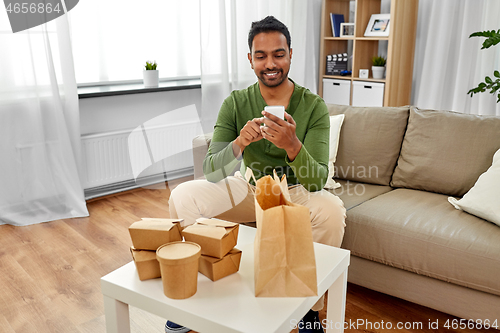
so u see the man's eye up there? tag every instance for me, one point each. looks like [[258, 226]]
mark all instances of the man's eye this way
[[280, 55]]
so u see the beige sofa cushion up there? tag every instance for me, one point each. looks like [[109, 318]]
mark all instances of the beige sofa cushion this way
[[354, 193], [424, 234], [370, 142], [200, 149], [446, 152]]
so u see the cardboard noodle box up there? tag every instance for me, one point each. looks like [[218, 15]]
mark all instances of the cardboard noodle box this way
[[216, 237], [215, 268], [150, 234], [146, 264]]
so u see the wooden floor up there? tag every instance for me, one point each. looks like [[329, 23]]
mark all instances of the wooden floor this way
[[50, 273]]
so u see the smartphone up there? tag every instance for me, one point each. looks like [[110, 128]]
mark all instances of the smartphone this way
[[277, 110]]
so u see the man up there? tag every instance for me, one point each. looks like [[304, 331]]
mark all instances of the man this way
[[297, 146]]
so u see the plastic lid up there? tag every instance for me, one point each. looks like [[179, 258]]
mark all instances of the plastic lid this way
[[178, 252]]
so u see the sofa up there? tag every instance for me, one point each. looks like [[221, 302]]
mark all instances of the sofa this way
[[397, 167]]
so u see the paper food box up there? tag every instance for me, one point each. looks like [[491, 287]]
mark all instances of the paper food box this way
[[216, 237], [215, 268], [150, 234], [146, 264]]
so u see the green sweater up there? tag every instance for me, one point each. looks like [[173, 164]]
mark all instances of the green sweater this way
[[309, 168]]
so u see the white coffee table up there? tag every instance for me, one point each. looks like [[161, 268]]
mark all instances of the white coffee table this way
[[229, 304]]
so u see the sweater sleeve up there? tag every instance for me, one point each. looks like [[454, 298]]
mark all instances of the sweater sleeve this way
[[220, 160], [310, 166]]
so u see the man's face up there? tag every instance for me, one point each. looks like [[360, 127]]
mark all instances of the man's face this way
[[270, 58]]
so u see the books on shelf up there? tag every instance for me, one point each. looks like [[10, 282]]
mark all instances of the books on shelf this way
[[335, 20]]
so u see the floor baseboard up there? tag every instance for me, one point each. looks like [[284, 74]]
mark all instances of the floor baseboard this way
[[131, 184]]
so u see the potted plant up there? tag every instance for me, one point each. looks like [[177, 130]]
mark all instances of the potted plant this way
[[493, 85], [150, 75], [378, 67]]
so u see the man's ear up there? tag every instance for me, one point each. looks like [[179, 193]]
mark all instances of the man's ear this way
[[290, 53], [250, 59]]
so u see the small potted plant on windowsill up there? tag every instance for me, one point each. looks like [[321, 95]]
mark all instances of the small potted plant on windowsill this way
[[150, 75], [378, 67]]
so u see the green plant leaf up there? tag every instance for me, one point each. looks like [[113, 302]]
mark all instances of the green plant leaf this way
[[494, 40], [378, 61], [150, 65], [476, 34], [483, 34], [493, 37]]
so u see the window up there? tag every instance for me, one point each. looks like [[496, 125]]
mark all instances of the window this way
[[113, 39], [26, 65]]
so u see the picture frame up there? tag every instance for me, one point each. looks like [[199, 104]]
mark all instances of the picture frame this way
[[378, 26], [346, 29]]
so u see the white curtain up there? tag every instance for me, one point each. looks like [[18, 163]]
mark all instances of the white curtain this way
[[447, 62], [39, 126], [224, 28]]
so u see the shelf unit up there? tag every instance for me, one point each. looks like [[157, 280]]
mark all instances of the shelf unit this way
[[400, 45]]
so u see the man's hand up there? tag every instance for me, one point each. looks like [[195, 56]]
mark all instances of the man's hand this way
[[281, 133], [248, 134]]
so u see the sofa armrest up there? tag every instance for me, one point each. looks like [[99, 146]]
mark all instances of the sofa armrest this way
[[200, 149]]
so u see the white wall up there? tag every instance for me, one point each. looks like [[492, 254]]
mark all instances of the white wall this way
[[112, 113], [104, 115]]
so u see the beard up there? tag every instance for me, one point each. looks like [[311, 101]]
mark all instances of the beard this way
[[273, 81]]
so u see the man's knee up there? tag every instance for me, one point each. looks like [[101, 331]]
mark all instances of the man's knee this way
[[326, 205], [330, 216], [185, 189], [181, 193], [328, 219]]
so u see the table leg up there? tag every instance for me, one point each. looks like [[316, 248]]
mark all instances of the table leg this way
[[335, 312], [117, 316]]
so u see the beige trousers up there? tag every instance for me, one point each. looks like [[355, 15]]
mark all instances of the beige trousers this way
[[232, 199]]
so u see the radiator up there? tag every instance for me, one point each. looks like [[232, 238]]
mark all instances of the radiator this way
[[122, 157]]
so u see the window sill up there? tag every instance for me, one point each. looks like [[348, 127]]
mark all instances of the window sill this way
[[135, 88]]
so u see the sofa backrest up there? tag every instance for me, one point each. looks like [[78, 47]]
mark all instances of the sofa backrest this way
[[446, 152], [370, 142]]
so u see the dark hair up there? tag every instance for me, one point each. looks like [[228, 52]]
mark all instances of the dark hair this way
[[268, 24]]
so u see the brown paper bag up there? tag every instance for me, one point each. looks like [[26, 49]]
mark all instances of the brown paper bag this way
[[284, 265]]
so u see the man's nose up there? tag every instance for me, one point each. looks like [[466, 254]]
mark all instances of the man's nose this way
[[270, 64]]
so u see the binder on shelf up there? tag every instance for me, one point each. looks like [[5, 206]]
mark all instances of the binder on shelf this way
[[335, 20]]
